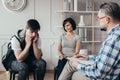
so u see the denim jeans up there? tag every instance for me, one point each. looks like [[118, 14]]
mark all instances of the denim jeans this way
[[24, 68]]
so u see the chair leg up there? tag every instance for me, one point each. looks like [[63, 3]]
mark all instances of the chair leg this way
[[35, 75], [55, 73], [28, 77], [11, 76]]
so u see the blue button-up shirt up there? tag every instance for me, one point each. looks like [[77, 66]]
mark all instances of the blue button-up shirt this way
[[107, 63]]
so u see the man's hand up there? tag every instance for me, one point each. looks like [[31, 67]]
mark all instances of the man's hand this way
[[74, 63], [81, 56], [61, 56]]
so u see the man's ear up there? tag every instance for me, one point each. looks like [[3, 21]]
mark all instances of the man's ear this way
[[108, 19]]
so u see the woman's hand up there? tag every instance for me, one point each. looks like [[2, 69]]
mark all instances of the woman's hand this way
[[61, 56]]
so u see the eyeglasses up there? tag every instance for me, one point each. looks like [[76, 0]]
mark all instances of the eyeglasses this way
[[98, 18]]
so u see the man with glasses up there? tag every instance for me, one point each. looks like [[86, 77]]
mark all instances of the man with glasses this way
[[106, 65]]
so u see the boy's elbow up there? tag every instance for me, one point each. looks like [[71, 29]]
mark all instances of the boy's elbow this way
[[19, 60]]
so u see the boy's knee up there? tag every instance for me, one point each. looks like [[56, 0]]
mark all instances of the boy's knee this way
[[23, 67], [42, 64]]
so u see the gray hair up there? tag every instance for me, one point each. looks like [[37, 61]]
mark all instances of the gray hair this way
[[111, 9]]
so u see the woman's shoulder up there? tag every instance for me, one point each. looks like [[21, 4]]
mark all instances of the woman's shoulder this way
[[77, 37], [63, 35]]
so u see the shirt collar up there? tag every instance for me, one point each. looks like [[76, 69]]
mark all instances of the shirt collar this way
[[113, 29]]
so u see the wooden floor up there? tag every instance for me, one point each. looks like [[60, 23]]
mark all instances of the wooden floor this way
[[5, 75]]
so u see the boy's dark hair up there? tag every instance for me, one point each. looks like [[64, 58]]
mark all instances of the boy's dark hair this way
[[111, 9], [33, 24], [71, 21]]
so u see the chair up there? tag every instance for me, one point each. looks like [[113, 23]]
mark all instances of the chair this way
[[58, 69], [55, 73], [13, 73]]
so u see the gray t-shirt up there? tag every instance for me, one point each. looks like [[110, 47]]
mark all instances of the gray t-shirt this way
[[68, 46]]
